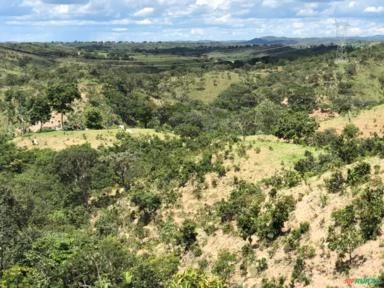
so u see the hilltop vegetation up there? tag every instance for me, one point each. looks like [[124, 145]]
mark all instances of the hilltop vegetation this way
[[190, 165]]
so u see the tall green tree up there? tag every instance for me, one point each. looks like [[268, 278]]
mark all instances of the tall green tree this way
[[74, 167], [126, 166], [39, 110], [61, 97], [16, 108], [12, 218]]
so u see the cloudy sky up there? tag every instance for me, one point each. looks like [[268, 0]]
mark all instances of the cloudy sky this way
[[156, 20]]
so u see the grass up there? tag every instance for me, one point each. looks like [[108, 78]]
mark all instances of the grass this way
[[58, 140], [368, 121], [366, 85], [149, 58], [277, 152], [214, 84], [205, 88]]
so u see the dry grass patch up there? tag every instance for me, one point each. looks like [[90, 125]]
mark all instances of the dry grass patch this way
[[368, 121], [58, 140]]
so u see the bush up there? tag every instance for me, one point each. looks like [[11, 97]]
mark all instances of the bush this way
[[326, 137], [224, 265], [261, 265], [147, 203], [298, 273], [188, 234], [370, 209], [273, 283], [335, 183], [292, 242], [305, 165], [295, 126], [359, 174], [284, 179], [270, 223], [93, 119], [195, 279]]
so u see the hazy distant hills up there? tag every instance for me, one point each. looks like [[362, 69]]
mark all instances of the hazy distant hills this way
[[272, 40]]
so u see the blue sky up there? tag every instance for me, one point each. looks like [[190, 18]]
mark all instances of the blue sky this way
[[163, 20]]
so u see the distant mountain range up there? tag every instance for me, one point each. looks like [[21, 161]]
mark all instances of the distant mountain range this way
[[272, 40]]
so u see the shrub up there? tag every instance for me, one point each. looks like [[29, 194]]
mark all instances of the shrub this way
[[261, 265], [188, 234], [298, 273], [224, 265], [359, 174], [94, 119], [292, 242], [295, 126], [335, 183], [195, 278], [269, 224], [148, 203], [284, 179], [370, 209], [305, 165], [273, 283]]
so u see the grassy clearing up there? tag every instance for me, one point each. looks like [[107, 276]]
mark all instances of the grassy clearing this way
[[58, 140], [212, 85], [368, 121], [268, 153]]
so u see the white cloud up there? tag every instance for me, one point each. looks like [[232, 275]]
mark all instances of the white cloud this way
[[119, 29], [225, 19], [197, 31], [308, 10], [188, 19], [274, 3], [144, 22], [297, 25], [146, 11], [374, 9], [61, 9], [352, 4], [214, 4]]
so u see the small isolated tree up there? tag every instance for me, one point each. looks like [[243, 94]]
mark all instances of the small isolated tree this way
[[343, 236], [345, 242], [244, 122], [61, 97], [271, 223], [39, 110]]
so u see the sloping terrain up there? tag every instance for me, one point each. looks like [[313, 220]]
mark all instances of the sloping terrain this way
[[369, 122], [221, 175]]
